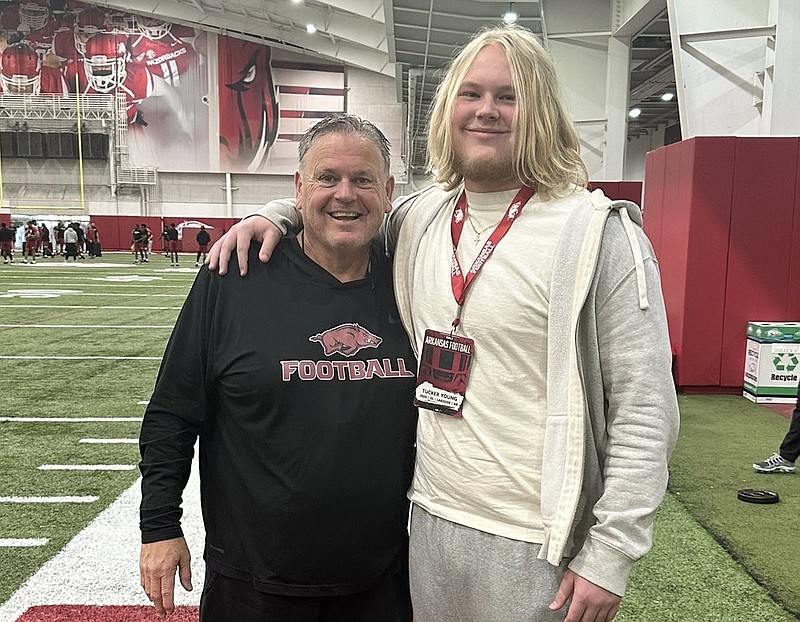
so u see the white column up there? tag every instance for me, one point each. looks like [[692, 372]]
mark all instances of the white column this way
[[722, 57], [785, 109], [617, 87], [577, 33]]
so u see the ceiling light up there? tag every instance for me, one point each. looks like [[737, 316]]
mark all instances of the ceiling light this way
[[511, 15], [634, 112], [311, 29], [667, 97]]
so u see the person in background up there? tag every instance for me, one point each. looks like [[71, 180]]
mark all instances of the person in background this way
[[31, 242], [93, 240], [139, 243], [783, 461], [71, 243], [203, 240], [172, 244], [148, 235], [81, 237], [44, 237], [59, 232], [302, 403], [6, 243], [542, 459]]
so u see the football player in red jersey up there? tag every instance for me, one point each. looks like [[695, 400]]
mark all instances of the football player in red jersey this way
[[30, 21], [70, 45], [22, 73], [26, 16], [157, 44], [109, 69]]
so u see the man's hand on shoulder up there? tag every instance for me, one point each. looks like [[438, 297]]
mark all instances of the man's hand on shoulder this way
[[158, 562], [238, 238]]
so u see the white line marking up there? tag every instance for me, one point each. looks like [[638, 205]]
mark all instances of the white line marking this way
[[79, 358], [89, 499], [66, 419], [87, 467], [12, 294], [143, 402], [29, 284], [99, 566], [110, 441], [78, 326], [88, 307], [17, 542]]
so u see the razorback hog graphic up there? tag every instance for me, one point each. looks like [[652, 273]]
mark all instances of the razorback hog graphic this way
[[346, 339]]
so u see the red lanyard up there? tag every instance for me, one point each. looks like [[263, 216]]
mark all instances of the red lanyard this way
[[459, 282]]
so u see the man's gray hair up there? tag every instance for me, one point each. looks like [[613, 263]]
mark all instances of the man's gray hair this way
[[344, 123]]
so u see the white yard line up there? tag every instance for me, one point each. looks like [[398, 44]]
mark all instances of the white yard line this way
[[32, 285], [20, 542], [88, 307], [88, 499], [110, 441], [66, 419], [34, 357], [81, 326], [86, 467], [99, 294], [100, 566]]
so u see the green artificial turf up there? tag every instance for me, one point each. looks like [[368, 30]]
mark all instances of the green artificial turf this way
[[691, 575], [721, 436], [73, 388]]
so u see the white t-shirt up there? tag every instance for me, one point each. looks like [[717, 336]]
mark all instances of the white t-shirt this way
[[484, 470]]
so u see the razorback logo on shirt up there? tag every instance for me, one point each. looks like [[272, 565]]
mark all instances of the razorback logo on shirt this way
[[346, 339]]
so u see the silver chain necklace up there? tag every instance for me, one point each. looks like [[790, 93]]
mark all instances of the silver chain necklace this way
[[477, 233]]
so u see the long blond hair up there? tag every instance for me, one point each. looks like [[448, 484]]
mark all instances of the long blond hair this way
[[545, 145]]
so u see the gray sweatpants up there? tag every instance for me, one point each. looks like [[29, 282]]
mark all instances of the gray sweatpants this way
[[459, 574]]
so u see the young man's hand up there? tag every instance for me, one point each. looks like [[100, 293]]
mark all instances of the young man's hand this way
[[238, 238]]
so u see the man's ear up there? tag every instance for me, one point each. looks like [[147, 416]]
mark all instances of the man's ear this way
[[389, 191], [298, 185]]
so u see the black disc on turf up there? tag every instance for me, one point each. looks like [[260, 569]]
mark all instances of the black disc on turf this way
[[755, 495]]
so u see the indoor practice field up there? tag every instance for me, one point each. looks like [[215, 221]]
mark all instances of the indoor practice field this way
[[80, 347]]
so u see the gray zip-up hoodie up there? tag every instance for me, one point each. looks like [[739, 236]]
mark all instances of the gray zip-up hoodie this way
[[612, 413]]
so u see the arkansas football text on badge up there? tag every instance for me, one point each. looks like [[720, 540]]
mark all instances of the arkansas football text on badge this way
[[443, 372]]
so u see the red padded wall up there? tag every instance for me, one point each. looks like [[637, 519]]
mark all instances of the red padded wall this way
[[793, 292], [722, 213], [764, 195], [617, 190], [706, 205], [115, 231]]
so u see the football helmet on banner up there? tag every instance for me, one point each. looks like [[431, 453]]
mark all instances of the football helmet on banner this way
[[19, 70], [105, 62]]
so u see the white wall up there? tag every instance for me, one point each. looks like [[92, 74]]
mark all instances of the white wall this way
[[637, 150]]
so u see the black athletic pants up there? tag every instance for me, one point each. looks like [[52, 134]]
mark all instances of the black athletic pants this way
[[790, 447], [231, 600]]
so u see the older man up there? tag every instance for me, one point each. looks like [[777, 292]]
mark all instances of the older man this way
[[298, 379], [547, 408]]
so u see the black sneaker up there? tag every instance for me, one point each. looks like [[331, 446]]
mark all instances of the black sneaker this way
[[774, 464]]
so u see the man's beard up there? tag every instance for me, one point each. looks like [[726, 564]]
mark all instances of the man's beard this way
[[486, 171]]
